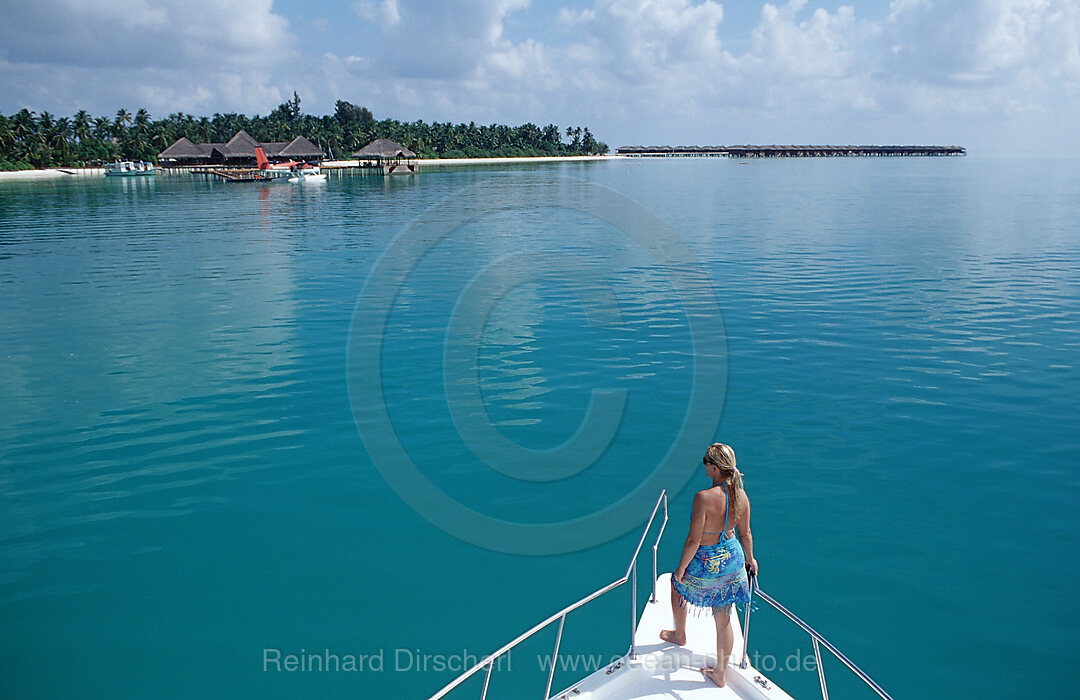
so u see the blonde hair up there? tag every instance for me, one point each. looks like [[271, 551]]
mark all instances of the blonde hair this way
[[723, 457]]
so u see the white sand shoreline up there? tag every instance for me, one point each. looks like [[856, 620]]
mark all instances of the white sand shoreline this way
[[434, 162], [51, 173], [501, 161], [60, 173]]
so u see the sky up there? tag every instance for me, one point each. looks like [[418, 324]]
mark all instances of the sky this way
[[996, 76]]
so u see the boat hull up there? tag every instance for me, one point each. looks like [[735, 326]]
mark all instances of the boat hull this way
[[142, 174], [301, 179], [129, 168], [664, 670]]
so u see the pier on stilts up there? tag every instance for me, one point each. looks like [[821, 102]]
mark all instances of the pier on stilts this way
[[231, 161], [775, 151], [232, 174], [371, 167], [361, 167], [380, 157]]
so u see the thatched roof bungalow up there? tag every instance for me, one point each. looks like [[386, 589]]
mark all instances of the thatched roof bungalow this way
[[239, 150], [383, 149], [184, 150]]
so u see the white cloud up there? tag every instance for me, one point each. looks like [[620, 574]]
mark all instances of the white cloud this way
[[997, 63], [824, 46], [967, 71], [164, 33], [644, 39], [434, 39], [167, 55], [966, 41], [648, 70], [384, 13]]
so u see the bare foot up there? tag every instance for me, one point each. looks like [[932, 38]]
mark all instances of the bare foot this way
[[670, 636], [714, 675]]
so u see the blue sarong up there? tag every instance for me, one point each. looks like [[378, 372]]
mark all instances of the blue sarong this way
[[715, 577]]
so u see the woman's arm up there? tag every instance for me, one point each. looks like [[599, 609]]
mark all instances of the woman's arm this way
[[693, 540], [745, 537]]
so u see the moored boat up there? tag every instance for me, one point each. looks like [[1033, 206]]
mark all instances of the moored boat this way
[[129, 168]]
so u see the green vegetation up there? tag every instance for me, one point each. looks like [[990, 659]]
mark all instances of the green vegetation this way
[[29, 140]]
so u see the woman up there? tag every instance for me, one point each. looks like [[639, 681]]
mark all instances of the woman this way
[[712, 572]]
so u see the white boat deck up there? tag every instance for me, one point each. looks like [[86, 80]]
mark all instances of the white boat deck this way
[[660, 669], [664, 670]]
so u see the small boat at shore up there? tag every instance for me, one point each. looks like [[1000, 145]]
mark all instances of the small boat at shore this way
[[656, 669], [129, 168]]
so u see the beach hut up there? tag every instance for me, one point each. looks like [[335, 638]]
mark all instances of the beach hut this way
[[384, 149], [184, 152], [239, 150], [392, 157], [299, 148]]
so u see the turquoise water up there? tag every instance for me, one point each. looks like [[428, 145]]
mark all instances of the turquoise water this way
[[194, 465]]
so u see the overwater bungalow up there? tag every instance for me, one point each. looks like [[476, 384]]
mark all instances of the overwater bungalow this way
[[386, 154], [237, 151], [786, 151]]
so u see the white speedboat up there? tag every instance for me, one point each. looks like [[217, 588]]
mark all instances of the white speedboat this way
[[656, 669], [129, 168]]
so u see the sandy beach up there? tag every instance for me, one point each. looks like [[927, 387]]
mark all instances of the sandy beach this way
[[427, 162], [436, 162], [59, 173]]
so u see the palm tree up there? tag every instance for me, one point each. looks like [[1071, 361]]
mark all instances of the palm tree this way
[[551, 137], [137, 144], [60, 139], [42, 139], [161, 140], [574, 133], [23, 126], [45, 127], [102, 128], [7, 136], [123, 118], [45, 121], [81, 125]]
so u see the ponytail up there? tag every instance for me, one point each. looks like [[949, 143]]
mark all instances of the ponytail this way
[[734, 486], [723, 457]]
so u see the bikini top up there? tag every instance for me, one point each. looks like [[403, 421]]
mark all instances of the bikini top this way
[[725, 519]]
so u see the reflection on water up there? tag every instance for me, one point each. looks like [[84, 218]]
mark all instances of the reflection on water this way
[[136, 340], [512, 376], [181, 478]]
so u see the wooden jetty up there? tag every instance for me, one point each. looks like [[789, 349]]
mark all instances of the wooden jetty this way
[[328, 166], [232, 174], [380, 157], [775, 151], [371, 167]]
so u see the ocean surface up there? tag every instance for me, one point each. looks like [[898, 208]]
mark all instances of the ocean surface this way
[[402, 420]]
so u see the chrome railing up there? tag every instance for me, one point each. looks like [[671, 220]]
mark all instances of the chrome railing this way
[[814, 635], [488, 662]]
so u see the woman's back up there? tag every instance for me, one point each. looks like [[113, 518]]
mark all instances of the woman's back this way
[[713, 570], [718, 521]]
